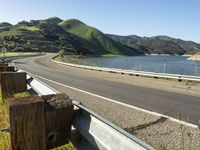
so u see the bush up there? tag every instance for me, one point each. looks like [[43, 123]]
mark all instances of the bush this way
[[61, 53]]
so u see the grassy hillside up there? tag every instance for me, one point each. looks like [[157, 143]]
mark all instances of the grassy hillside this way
[[52, 20], [5, 24], [35, 36], [98, 40], [53, 35]]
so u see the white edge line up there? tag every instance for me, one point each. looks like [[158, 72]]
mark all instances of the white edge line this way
[[117, 102]]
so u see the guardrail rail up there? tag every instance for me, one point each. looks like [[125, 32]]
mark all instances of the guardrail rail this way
[[99, 132], [132, 72]]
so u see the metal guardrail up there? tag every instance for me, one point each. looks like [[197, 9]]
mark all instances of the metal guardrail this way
[[133, 72], [102, 134]]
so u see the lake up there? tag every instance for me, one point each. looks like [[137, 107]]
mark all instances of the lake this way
[[160, 64]]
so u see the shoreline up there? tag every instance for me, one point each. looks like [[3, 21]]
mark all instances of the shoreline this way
[[195, 58]]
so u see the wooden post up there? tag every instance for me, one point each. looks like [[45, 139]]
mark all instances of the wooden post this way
[[6, 68], [59, 116], [13, 82], [3, 65], [27, 123], [40, 123]]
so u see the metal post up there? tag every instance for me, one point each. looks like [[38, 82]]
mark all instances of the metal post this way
[[196, 67], [164, 66], [139, 66], [181, 69]]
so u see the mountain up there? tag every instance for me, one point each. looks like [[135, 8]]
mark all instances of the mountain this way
[[54, 34], [37, 36], [95, 39], [187, 45], [74, 36], [157, 44]]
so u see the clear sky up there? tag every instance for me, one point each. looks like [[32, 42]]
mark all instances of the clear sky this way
[[176, 18]]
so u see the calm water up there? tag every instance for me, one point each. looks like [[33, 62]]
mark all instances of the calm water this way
[[167, 64]]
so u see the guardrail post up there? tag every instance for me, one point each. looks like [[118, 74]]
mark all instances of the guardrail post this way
[[59, 116], [196, 69], [3, 64], [27, 123], [13, 82], [6, 68], [40, 123]]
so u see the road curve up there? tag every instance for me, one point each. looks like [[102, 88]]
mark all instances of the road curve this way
[[163, 102]]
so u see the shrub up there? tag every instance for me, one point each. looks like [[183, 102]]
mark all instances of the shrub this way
[[61, 53]]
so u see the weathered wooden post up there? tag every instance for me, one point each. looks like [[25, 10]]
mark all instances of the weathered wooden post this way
[[27, 123], [3, 64], [59, 115], [7, 68], [13, 82], [40, 123]]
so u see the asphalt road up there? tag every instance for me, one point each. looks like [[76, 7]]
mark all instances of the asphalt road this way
[[159, 101]]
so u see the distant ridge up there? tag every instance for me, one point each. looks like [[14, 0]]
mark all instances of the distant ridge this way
[[157, 44]]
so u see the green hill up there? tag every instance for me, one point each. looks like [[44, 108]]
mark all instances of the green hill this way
[[5, 24], [95, 39], [36, 36], [52, 20]]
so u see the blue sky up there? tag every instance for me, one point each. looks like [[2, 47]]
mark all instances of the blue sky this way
[[176, 18]]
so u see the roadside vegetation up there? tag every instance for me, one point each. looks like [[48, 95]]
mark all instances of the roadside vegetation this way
[[5, 143], [195, 57], [11, 54], [4, 121], [7, 57]]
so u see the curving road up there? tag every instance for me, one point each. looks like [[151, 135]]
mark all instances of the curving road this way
[[163, 102]]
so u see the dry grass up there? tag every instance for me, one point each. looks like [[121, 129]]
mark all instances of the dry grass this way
[[65, 147], [4, 123], [11, 54]]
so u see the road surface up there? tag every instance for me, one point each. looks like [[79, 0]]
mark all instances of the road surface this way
[[167, 103]]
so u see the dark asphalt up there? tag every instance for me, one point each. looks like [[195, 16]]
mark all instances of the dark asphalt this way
[[163, 102]]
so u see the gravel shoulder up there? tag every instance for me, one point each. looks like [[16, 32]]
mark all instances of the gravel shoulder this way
[[161, 133]]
